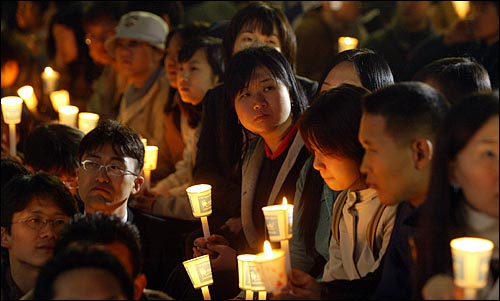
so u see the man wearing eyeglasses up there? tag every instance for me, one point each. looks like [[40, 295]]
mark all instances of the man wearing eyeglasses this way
[[34, 209], [112, 157]]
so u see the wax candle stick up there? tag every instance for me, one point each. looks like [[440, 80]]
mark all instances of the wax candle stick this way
[[68, 115], [150, 160], [50, 80], [12, 111], [28, 95], [200, 198], [87, 121], [272, 270]]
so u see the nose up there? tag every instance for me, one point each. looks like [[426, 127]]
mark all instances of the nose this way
[[48, 230], [364, 166], [102, 175], [318, 163], [260, 102]]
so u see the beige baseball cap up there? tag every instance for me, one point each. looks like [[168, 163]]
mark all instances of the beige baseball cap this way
[[142, 26]]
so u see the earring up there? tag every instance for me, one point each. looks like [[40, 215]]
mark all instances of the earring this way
[[456, 188]]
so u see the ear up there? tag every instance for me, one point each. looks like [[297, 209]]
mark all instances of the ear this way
[[137, 184], [140, 283], [5, 238], [422, 151]]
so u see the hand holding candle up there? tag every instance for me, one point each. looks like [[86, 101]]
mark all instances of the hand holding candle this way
[[12, 107], [200, 198]]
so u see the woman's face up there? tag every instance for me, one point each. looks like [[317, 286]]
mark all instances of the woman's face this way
[[338, 172], [195, 77], [66, 44], [171, 59], [250, 36], [264, 107], [475, 169]]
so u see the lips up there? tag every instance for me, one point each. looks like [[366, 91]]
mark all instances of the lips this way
[[260, 117]]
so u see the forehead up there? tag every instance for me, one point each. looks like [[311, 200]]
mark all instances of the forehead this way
[[42, 204], [345, 72], [106, 152], [372, 129]]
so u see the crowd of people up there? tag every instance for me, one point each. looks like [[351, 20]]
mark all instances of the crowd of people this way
[[388, 151]]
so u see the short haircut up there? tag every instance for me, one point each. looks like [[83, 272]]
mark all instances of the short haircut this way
[[123, 139], [101, 229], [331, 123], [53, 148], [21, 190], [455, 77], [11, 169], [262, 16], [373, 70], [82, 258], [409, 109]]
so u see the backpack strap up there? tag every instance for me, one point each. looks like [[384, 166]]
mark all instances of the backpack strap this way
[[338, 205], [371, 231]]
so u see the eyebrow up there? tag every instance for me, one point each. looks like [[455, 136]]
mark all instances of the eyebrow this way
[[120, 159]]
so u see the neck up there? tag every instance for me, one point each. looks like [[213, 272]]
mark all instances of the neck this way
[[24, 275], [118, 209], [138, 80], [274, 138]]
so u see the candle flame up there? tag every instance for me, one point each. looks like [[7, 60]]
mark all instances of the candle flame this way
[[48, 70], [268, 250], [285, 201]]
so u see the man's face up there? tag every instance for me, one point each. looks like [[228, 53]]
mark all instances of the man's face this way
[[31, 245], [101, 191], [387, 164]]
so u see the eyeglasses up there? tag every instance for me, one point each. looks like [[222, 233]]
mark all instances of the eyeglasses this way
[[112, 170], [72, 184], [38, 223]]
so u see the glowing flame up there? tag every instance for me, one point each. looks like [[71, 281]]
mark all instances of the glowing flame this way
[[268, 251], [284, 201]]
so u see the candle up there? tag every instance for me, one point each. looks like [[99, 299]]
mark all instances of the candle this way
[[346, 43], [12, 107], [200, 273], [271, 267], [145, 142], [28, 95], [461, 8], [87, 121], [150, 158], [59, 98], [279, 222], [200, 198], [471, 261], [248, 277], [50, 80], [68, 115]]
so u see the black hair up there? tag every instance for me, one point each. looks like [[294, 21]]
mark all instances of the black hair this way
[[81, 258], [455, 77], [11, 169], [53, 148], [101, 229], [123, 139], [409, 109]]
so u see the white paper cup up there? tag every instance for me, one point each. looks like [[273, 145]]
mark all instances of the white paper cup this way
[[279, 221], [471, 261], [50, 79], [248, 275], [87, 121], [68, 115], [59, 98], [28, 95], [272, 270], [199, 271], [200, 198], [12, 107]]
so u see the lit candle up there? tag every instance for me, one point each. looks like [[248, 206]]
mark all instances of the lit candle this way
[[471, 262], [59, 98], [461, 8], [249, 278], [87, 121], [68, 115], [145, 142], [28, 95], [346, 43], [200, 198], [12, 107], [271, 267], [50, 80], [150, 158], [279, 222]]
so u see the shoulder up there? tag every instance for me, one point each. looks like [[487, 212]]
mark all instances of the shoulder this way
[[149, 294]]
